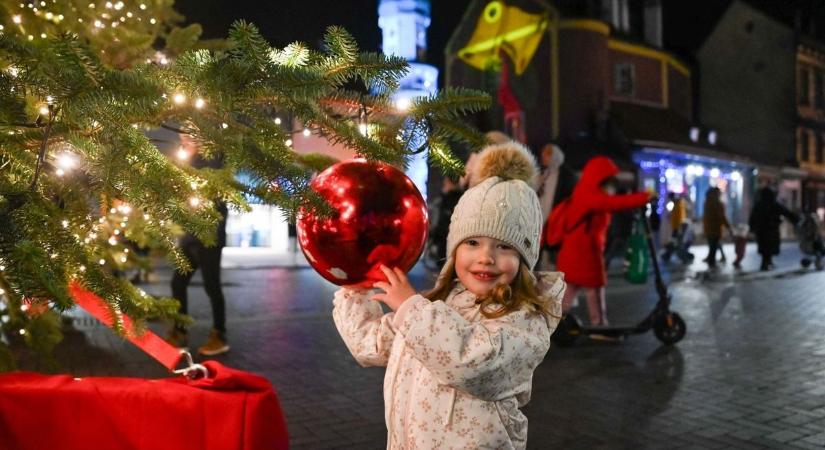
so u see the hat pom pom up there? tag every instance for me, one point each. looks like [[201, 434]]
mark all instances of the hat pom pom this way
[[509, 161]]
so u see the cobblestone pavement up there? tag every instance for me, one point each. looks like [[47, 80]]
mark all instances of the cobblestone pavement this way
[[749, 374]]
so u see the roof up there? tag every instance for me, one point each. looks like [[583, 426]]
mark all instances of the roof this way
[[648, 126]]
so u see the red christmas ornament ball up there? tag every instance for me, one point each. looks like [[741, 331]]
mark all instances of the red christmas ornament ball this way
[[380, 218]]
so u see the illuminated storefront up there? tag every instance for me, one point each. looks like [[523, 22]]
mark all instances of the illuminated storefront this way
[[663, 171]]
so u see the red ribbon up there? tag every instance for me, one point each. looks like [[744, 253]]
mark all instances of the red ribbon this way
[[148, 341]]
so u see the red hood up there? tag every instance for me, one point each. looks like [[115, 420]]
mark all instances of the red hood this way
[[594, 173]]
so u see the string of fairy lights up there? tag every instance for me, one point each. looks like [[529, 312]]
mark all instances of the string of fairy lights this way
[[33, 15], [105, 237]]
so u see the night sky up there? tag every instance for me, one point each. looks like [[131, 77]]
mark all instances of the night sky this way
[[686, 23]]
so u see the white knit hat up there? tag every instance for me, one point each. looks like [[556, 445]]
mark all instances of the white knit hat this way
[[502, 205]]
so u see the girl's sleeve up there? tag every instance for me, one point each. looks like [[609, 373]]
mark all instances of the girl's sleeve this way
[[490, 359], [366, 330]]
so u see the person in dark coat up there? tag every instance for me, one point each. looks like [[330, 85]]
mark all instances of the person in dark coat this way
[[585, 223], [618, 233], [764, 222], [450, 193]]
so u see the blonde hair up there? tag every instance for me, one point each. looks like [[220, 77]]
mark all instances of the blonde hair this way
[[503, 299]]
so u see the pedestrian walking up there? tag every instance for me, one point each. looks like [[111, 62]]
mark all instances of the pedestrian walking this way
[[444, 205], [583, 220], [679, 225], [766, 216], [740, 243], [551, 160], [461, 356], [714, 220], [618, 234], [208, 260]]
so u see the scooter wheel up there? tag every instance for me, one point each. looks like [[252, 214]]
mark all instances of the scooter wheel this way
[[669, 328], [805, 263], [567, 331]]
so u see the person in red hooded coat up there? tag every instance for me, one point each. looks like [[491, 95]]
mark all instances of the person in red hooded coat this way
[[586, 220]]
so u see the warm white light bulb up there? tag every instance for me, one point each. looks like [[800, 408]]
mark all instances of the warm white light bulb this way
[[363, 129], [17, 19], [277, 121], [288, 142], [102, 261], [66, 161], [179, 98], [200, 103], [403, 104], [44, 110], [194, 201], [183, 154], [306, 132]]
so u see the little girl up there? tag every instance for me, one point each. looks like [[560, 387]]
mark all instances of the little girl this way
[[460, 358]]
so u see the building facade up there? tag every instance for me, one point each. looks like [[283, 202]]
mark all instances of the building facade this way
[[810, 130], [763, 89], [592, 77]]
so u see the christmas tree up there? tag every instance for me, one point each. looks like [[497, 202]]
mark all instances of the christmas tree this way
[[80, 83]]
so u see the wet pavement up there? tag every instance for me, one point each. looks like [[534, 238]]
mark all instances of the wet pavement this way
[[749, 374]]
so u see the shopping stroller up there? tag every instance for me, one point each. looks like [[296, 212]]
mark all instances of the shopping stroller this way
[[679, 244], [810, 241]]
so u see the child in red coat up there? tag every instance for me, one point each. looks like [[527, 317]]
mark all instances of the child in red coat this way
[[585, 232]]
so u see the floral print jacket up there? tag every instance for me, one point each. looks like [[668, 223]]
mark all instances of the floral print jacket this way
[[455, 379]]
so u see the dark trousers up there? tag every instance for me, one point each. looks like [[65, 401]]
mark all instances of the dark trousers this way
[[208, 259], [713, 246]]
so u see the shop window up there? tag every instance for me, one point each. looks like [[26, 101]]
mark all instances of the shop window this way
[[624, 79], [812, 146], [819, 95], [800, 138], [804, 86]]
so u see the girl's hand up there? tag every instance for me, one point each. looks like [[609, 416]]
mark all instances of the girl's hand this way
[[397, 288]]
